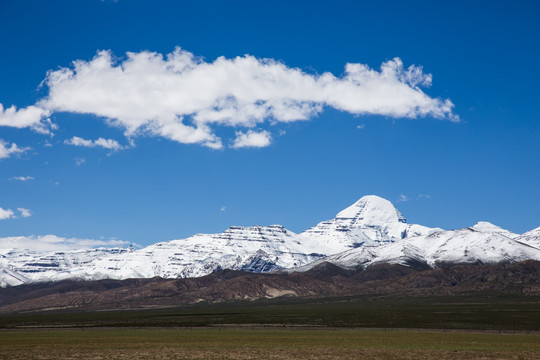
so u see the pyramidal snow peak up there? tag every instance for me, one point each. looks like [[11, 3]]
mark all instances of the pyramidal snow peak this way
[[369, 231], [370, 221]]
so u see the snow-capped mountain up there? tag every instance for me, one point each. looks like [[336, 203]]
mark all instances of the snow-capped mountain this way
[[20, 266], [483, 243], [486, 227], [531, 238], [256, 248], [370, 231], [370, 221]]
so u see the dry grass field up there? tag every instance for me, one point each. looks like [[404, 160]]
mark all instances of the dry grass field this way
[[248, 343]]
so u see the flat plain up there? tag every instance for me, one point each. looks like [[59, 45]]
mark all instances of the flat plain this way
[[355, 327], [256, 343], [474, 312]]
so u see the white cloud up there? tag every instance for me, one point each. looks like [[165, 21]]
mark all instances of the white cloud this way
[[10, 214], [101, 142], [22, 178], [6, 214], [34, 117], [181, 97], [79, 161], [251, 139], [7, 150], [223, 208], [24, 212], [361, 126], [403, 198], [55, 243]]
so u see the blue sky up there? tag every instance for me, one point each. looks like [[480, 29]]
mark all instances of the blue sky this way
[[171, 140]]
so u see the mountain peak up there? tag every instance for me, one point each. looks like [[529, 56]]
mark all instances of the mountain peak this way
[[531, 238], [373, 210], [535, 231], [487, 227], [369, 231], [370, 221]]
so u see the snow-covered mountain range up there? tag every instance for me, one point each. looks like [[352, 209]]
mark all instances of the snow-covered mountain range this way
[[370, 231], [483, 243]]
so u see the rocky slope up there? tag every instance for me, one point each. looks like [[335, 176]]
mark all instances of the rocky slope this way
[[370, 221], [483, 243], [370, 231], [325, 280]]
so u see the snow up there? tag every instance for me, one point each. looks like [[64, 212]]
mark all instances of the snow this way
[[370, 221], [441, 247], [368, 232], [484, 226], [531, 238]]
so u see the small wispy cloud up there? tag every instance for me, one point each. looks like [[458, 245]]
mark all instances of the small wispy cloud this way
[[34, 117], [6, 214], [79, 161], [6, 149], [403, 198], [22, 178], [360, 126], [109, 144], [223, 208], [252, 139], [24, 212], [56, 243], [11, 214]]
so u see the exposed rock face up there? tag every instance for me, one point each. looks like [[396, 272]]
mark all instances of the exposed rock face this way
[[255, 248], [521, 279], [475, 245], [370, 231], [370, 221]]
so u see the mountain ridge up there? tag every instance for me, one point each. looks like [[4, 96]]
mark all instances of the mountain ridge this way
[[368, 232], [324, 280]]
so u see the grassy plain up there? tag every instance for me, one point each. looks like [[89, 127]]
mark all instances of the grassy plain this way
[[511, 313], [204, 343], [492, 327]]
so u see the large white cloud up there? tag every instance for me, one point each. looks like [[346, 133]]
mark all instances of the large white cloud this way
[[55, 243], [182, 97]]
